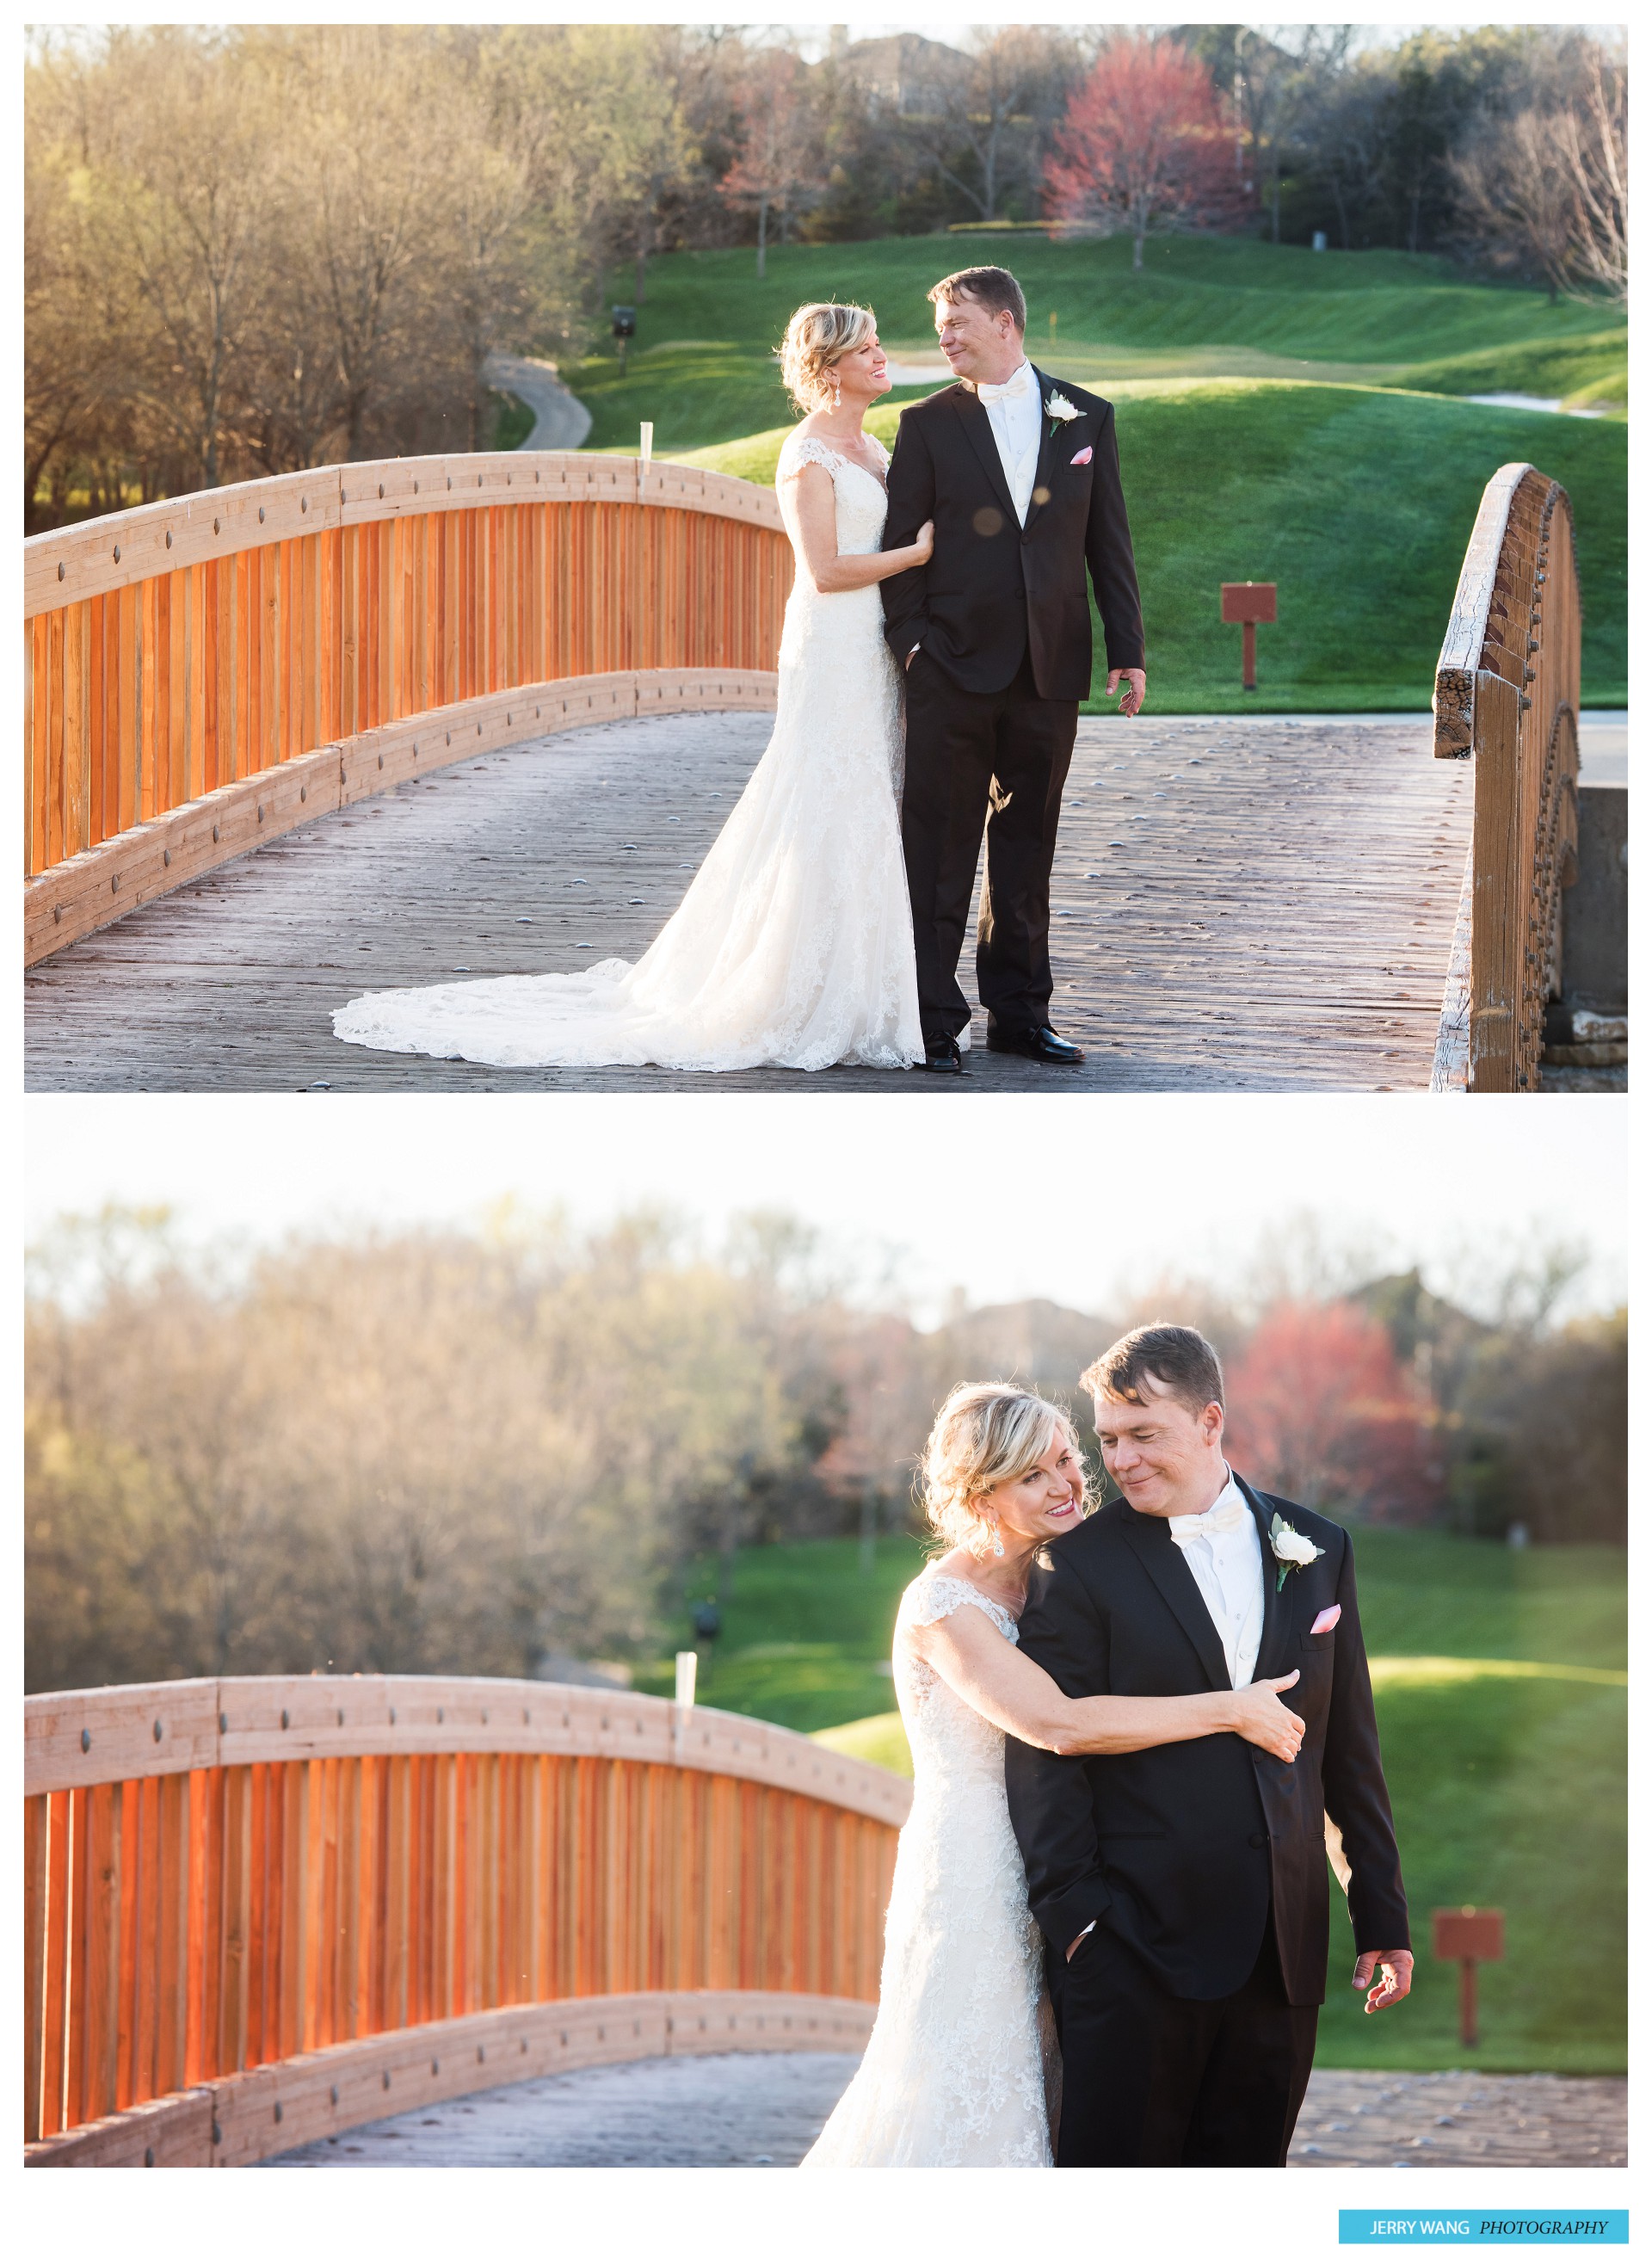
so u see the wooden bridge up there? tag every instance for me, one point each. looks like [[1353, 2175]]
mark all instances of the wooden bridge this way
[[258, 1911], [372, 676]]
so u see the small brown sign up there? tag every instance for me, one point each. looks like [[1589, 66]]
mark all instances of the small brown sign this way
[[1249, 599], [1467, 1934]]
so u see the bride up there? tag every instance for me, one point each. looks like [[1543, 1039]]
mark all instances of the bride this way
[[793, 944], [961, 2067]]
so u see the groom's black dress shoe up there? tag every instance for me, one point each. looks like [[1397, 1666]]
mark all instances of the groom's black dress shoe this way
[[941, 1055], [1041, 1043]]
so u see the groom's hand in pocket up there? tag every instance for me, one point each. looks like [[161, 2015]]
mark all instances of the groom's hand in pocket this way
[[1396, 1977], [1135, 681]]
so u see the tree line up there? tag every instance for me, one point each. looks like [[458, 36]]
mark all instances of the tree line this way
[[433, 1452], [254, 248]]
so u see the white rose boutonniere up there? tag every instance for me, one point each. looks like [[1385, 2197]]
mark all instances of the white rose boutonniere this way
[[1060, 409], [1291, 1549]]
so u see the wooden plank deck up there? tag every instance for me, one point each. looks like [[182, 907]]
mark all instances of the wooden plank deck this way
[[1243, 905], [758, 2110]]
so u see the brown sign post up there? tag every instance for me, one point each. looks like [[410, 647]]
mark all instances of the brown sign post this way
[[1244, 603], [1468, 1936]]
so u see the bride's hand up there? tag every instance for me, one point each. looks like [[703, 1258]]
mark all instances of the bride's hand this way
[[923, 544], [1261, 1718]]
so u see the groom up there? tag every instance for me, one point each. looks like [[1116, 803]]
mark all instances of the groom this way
[[1021, 479], [1181, 1890]]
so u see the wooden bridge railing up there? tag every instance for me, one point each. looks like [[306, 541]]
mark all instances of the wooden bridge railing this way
[[261, 1909], [1507, 694], [201, 674]]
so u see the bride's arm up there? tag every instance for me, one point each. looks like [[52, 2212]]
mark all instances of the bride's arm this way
[[809, 506], [1010, 1690]]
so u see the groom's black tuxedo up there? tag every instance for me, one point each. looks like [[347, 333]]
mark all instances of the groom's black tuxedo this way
[[995, 591], [1202, 1864], [1001, 617]]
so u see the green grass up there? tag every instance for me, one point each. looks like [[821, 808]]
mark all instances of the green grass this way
[[1283, 416], [702, 369], [805, 1638], [513, 421], [1503, 1720], [1358, 502]]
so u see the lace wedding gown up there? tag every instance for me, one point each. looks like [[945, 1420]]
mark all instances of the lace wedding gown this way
[[793, 944], [961, 2067]]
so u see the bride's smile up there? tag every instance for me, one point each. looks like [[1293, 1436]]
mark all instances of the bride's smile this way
[[1043, 1502]]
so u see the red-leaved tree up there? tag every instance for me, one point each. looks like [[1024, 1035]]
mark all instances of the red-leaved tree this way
[[1145, 146], [1321, 1411]]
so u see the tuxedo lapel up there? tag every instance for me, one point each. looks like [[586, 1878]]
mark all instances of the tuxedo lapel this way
[[1150, 1539], [1276, 1605], [978, 425]]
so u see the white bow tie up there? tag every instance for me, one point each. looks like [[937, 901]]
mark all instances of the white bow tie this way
[[1015, 390], [1229, 1514]]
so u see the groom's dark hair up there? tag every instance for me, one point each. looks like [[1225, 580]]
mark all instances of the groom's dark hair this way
[[1182, 1362], [995, 287]]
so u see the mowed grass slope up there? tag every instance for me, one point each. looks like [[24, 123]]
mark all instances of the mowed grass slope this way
[[1358, 502], [1503, 1719], [702, 368]]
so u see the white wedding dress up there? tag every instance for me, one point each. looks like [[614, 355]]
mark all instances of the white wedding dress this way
[[793, 944], [963, 2066]]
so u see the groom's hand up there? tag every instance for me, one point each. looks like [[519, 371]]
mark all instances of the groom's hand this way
[[1135, 681], [1396, 1977]]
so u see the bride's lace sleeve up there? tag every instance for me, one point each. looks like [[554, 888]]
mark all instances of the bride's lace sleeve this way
[[799, 450], [932, 1597]]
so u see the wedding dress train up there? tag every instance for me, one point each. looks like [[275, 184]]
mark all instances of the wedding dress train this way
[[793, 944], [961, 2067]]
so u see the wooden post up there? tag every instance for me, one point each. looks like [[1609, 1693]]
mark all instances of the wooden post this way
[[1468, 1935], [1498, 932]]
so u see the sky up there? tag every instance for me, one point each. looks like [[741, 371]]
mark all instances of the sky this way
[[1079, 1200]]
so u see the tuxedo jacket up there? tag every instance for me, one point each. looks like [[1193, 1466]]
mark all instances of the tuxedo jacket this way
[[995, 591], [1180, 1849]]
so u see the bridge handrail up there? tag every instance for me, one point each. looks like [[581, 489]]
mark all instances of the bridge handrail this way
[[99, 555], [235, 1879], [1506, 695], [91, 1737]]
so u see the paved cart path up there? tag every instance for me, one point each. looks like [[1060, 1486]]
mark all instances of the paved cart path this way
[[560, 421], [1236, 906], [765, 2109]]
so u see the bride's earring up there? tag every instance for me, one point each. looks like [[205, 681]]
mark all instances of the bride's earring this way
[[997, 1541], [836, 382]]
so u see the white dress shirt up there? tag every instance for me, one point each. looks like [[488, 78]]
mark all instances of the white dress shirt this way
[[1223, 1549], [1015, 410]]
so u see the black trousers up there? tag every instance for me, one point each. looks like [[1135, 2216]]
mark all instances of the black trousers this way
[[1150, 2079], [998, 758]]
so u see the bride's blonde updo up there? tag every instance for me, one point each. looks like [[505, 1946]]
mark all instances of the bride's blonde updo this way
[[817, 337], [987, 1431]]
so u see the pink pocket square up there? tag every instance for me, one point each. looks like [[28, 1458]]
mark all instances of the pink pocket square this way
[[1327, 1619], [1082, 456]]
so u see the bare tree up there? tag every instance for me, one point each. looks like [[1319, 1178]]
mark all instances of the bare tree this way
[[985, 115], [1545, 190], [781, 168]]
